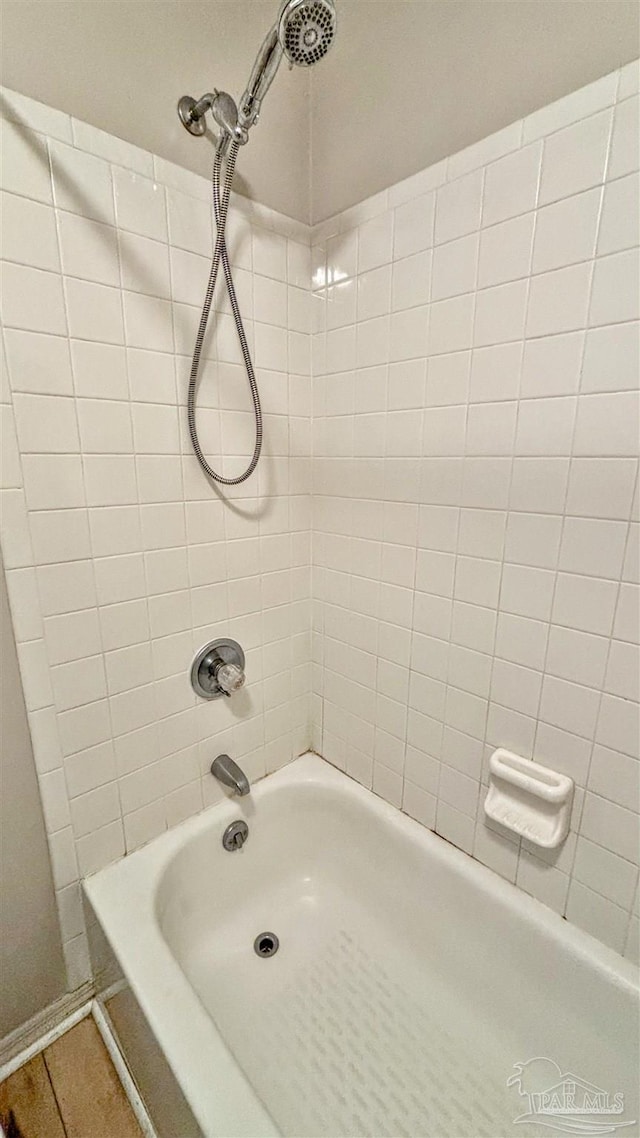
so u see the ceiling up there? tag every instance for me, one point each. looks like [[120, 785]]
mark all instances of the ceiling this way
[[407, 82]]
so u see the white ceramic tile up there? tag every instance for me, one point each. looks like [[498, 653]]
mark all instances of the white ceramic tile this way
[[614, 776], [413, 226], [28, 233], [124, 624], [500, 313], [66, 587], [72, 636], [620, 224], [411, 282], [100, 848], [456, 827], [495, 373], [616, 290], [611, 358], [585, 603], [81, 183], [113, 149], [147, 322], [625, 147], [521, 640], [83, 727], [120, 578], [545, 426], [375, 242], [128, 668], [25, 166], [551, 365], [34, 115], [99, 370], [622, 678], [458, 207], [597, 915], [33, 300], [627, 613], [418, 184], [527, 591], [16, 538], [95, 311], [59, 535], [140, 204], [577, 656], [572, 107], [88, 249], [610, 826], [34, 671], [454, 267], [485, 151], [105, 426], [115, 530], [511, 185], [593, 546], [491, 428], [574, 159], [601, 487], [144, 265], [46, 424], [54, 801], [542, 881], [618, 724], [566, 231], [53, 481], [558, 301], [505, 251], [269, 253], [78, 682], [9, 454], [38, 363], [450, 325], [110, 480]]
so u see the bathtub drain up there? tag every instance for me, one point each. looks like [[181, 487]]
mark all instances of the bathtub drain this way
[[266, 944]]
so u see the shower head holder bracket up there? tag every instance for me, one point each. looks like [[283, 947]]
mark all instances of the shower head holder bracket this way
[[192, 112]]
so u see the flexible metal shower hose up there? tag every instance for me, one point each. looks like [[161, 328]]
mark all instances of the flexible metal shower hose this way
[[220, 208]]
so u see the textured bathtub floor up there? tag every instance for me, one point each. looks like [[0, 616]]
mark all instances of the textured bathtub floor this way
[[350, 1036], [349, 1051]]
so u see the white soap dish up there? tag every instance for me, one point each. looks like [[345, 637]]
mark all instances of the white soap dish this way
[[529, 799]]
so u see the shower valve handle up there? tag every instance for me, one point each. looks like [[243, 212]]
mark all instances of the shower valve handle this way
[[230, 678]]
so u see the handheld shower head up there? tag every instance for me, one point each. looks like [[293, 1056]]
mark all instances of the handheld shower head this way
[[304, 32], [306, 29]]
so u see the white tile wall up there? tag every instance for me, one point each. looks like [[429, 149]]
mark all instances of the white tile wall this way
[[121, 560], [476, 488], [472, 338]]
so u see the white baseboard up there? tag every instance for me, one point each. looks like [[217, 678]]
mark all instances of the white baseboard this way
[[103, 1023], [32, 1038], [54, 1021]]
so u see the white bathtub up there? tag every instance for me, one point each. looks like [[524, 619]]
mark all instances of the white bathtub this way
[[408, 983]]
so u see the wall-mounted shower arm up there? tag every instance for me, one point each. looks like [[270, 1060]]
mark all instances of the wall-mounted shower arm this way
[[223, 108]]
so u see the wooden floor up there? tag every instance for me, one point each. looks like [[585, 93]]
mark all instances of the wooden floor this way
[[69, 1090]]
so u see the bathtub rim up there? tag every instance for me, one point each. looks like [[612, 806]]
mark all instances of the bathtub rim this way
[[123, 896]]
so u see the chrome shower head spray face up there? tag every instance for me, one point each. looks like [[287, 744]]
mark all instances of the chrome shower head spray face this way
[[303, 32], [306, 29]]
